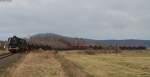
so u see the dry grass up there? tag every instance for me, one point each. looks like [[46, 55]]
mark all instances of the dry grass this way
[[38, 64], [68, 64], [112, 65], [8, 62], [70, 69]]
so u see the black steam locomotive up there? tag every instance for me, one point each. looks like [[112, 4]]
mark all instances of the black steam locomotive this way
[[16, 45]]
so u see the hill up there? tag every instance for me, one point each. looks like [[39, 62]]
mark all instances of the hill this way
[[63, 41], [132, 42]]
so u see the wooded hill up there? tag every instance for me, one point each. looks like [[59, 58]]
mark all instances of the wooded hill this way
[[55, 41]]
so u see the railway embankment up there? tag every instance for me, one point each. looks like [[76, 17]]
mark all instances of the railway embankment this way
[[7, 61]]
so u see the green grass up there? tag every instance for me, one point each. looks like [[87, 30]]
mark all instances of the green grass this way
[[112, 65]]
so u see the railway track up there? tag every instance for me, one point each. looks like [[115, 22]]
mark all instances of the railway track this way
[[5, 55]]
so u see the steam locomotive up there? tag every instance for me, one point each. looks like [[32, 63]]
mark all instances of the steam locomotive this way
[[15, 45]]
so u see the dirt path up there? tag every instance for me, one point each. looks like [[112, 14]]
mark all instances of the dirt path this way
[[70, 68]]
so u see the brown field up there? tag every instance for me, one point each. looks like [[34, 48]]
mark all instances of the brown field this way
[[8, 62], [74, 64], [38, 64]]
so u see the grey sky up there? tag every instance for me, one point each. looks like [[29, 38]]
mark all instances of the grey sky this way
[[97, 19]]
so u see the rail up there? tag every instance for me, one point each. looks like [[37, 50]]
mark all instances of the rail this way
[[5, 55]]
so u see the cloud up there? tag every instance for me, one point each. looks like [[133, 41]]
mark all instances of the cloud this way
[[98, 19]]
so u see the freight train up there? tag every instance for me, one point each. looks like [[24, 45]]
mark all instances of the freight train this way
[[15, 45]]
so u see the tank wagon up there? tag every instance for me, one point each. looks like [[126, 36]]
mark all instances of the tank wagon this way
[[16, 45]]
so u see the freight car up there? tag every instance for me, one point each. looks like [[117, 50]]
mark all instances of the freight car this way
[[16, 45]]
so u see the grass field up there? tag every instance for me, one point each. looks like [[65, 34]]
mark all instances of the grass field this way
[[113, 65], [74, 64], [37, 64]]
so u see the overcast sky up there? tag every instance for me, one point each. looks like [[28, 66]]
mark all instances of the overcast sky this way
[[96, 19]]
